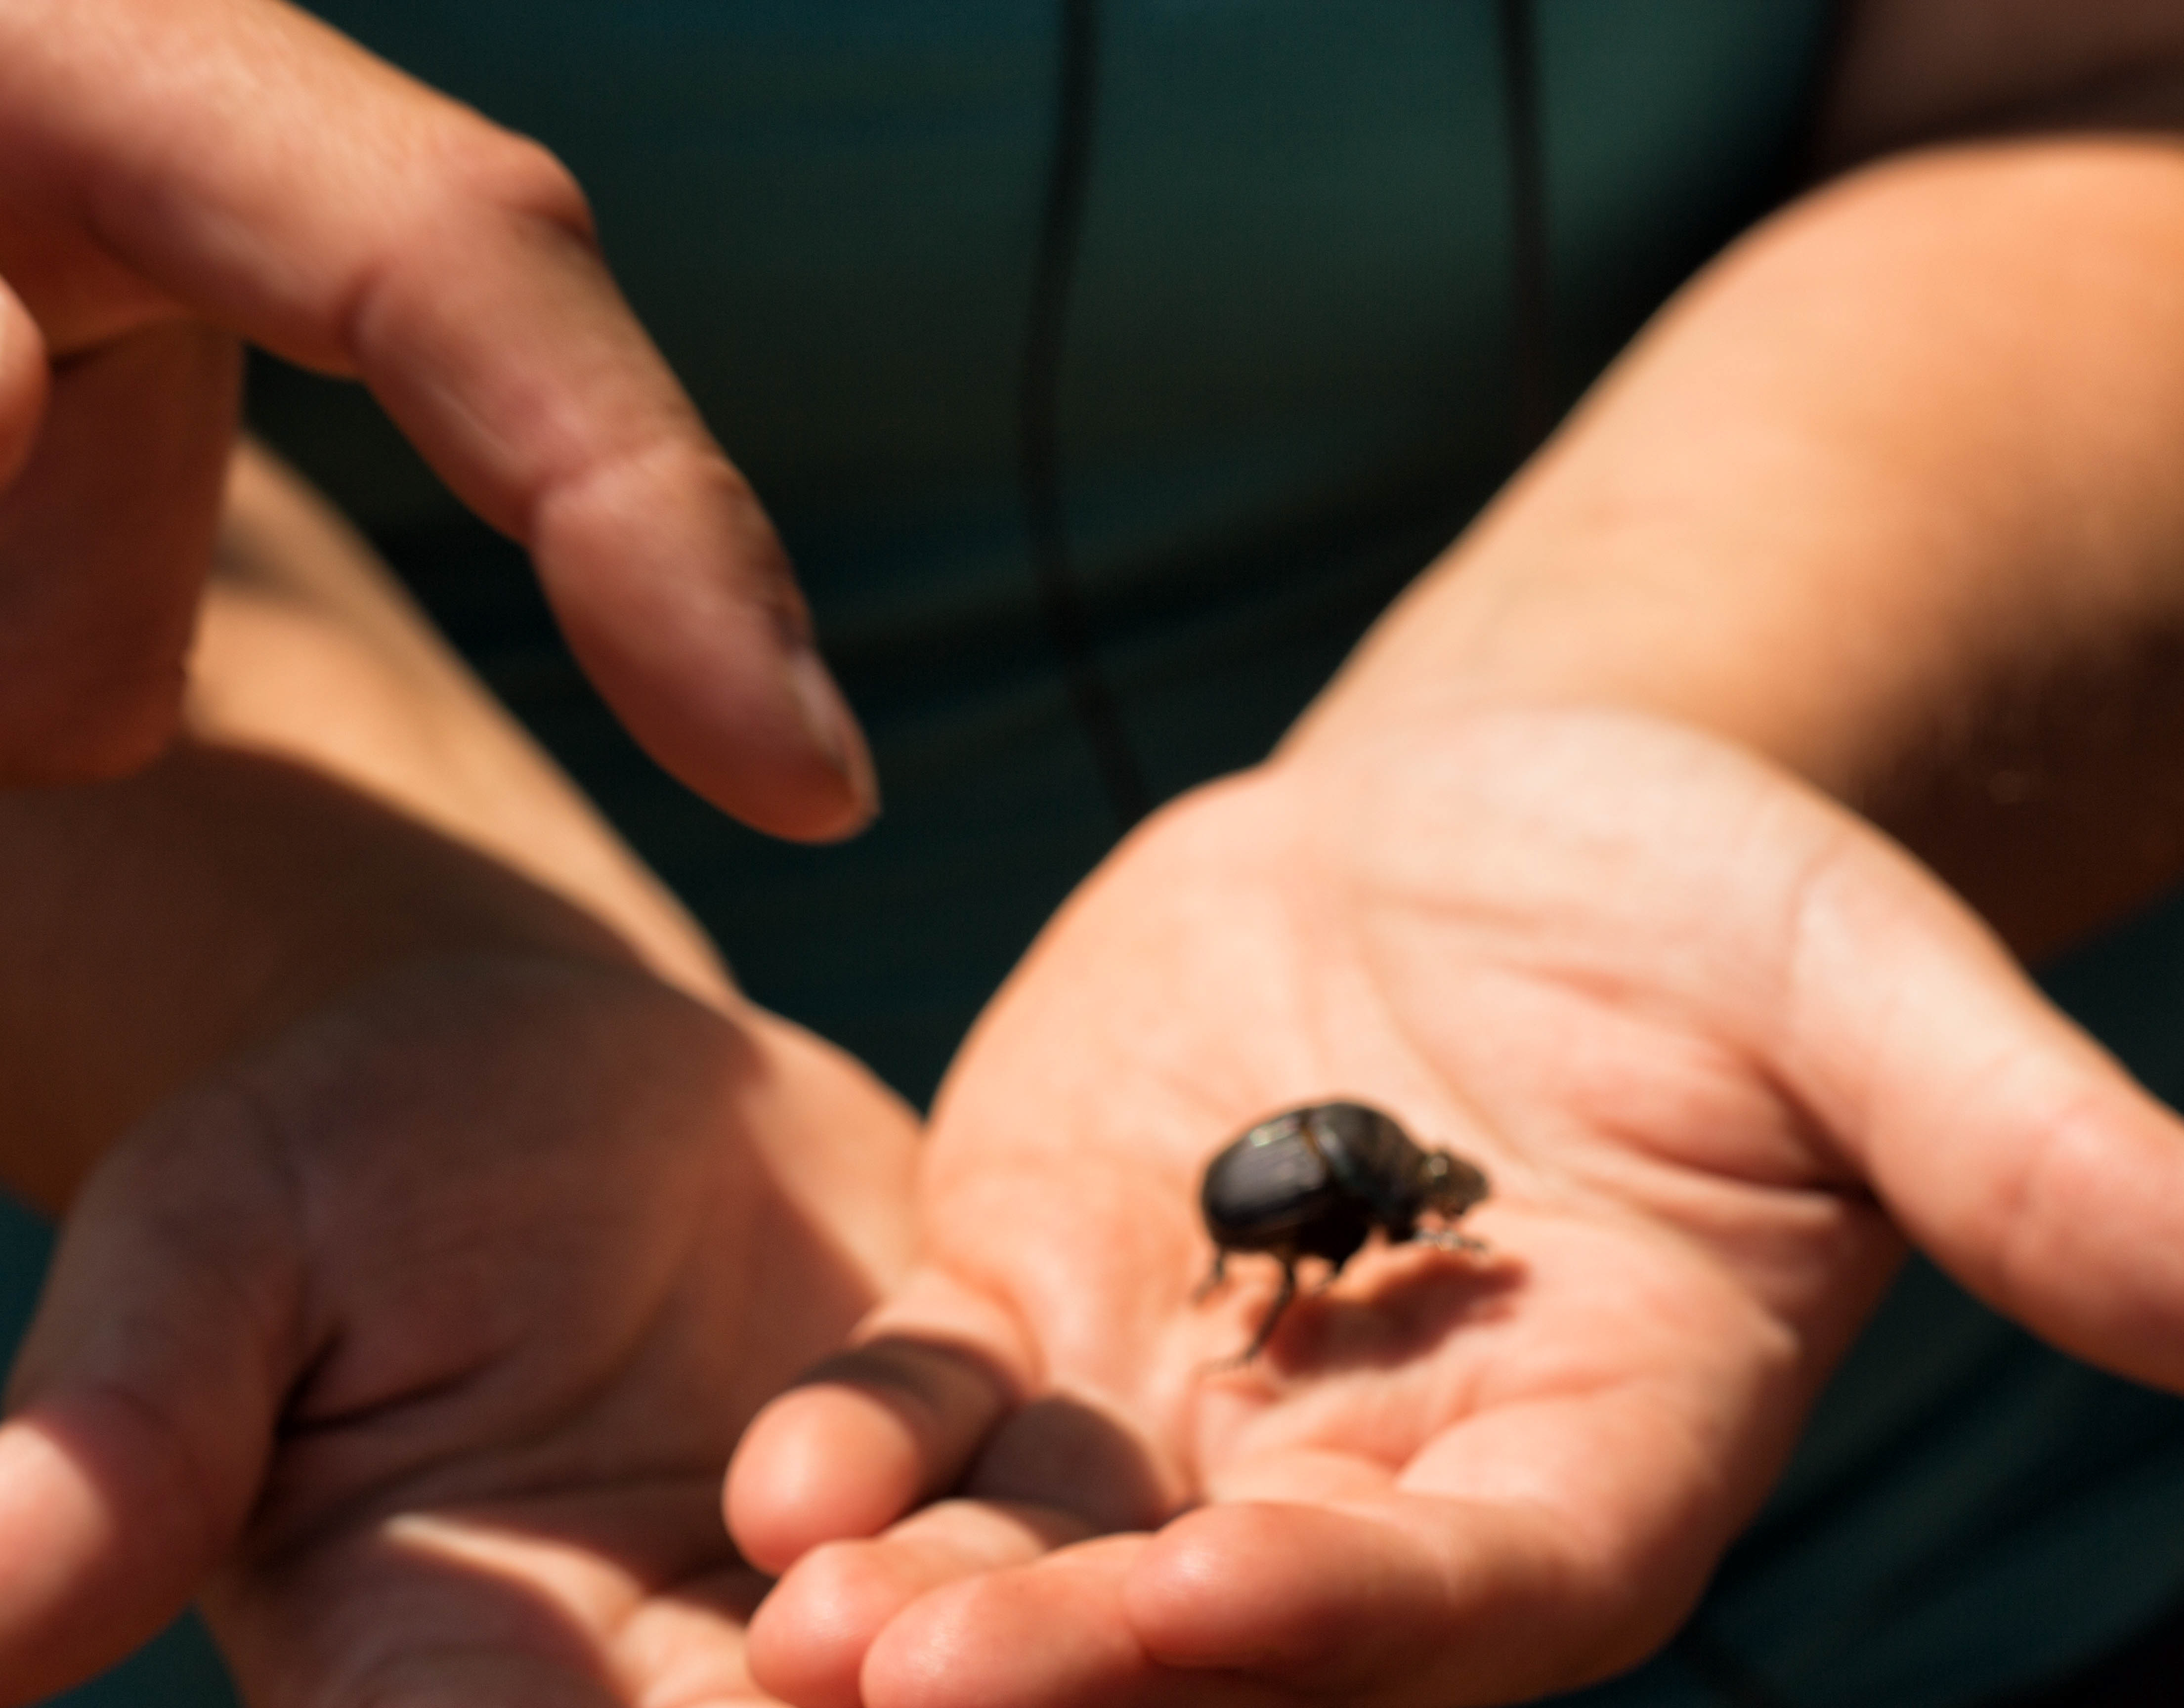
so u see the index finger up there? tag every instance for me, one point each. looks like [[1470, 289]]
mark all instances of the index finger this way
[[262, 171]]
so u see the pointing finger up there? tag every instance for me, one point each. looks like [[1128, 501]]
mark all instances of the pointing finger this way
[[261, 172]]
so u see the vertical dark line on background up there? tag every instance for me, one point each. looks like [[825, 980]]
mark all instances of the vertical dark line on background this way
[[1803, 165], [1039, 427], [1529, 331]]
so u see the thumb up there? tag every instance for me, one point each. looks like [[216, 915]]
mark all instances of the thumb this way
[[141, 1408], [2006, 1143]]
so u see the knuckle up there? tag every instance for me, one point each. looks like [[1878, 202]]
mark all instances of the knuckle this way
[[478, 163]]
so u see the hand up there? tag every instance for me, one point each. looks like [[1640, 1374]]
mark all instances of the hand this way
[[420, 1336], [172, 177], [1682, 1010]]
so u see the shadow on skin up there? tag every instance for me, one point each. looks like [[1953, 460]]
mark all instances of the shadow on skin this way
[[1061, 1452], [958, 1426], [585, 1598], [1395, 1305], [550, 1276], [522, 1591]]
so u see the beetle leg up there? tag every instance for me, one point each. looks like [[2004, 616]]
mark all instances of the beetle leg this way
[[1448, 1239], [1283, 1295], [1214, 1277]]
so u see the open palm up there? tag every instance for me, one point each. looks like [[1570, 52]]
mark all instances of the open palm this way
[[420, 1337], [1691, 1019]]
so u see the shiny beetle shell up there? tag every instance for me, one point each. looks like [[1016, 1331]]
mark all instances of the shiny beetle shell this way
[[1315, 1182]]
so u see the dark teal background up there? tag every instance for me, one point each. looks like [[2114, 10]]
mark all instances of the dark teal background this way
[[1287, 383]]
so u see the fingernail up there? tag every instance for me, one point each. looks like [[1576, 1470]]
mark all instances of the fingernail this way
[[832, 727]]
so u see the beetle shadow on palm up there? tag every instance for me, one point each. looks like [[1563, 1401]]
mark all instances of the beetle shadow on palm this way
[[1060, 1453], [1394, 1308]]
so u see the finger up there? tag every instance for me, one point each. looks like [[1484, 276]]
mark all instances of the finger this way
[[296, 189], [1535, 1546], [874, 1431], [809, 1639], [1057, 1633], [664, 573], [142, 1405], [1530, 1548], [106, 535], [22, 384], [1435, 1604], [2000, 1137]]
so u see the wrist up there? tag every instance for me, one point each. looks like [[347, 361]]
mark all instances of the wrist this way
[[308, 649], [1496, 627], [1883, 497]]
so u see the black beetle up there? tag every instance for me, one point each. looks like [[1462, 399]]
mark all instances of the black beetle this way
[[1315, 1182]]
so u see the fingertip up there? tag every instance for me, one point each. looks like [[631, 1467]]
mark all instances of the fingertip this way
[[523, 378], [808, 1639], [2006, 1143], [2074, 1234], [834, 731], [53, 1524], [679, 604], [868, 1436], [963, 1645], [818, 1465], [78, 1589]]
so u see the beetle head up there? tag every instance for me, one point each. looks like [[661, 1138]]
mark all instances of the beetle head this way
[[1451, 1185]]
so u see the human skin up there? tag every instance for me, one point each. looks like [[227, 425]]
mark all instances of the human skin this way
[[1880, 513], [436, 1210], [1712, 1039], [1757, 1245], [179, 177]]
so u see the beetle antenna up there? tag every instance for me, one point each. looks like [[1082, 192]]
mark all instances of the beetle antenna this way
[[1283, 1295]]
